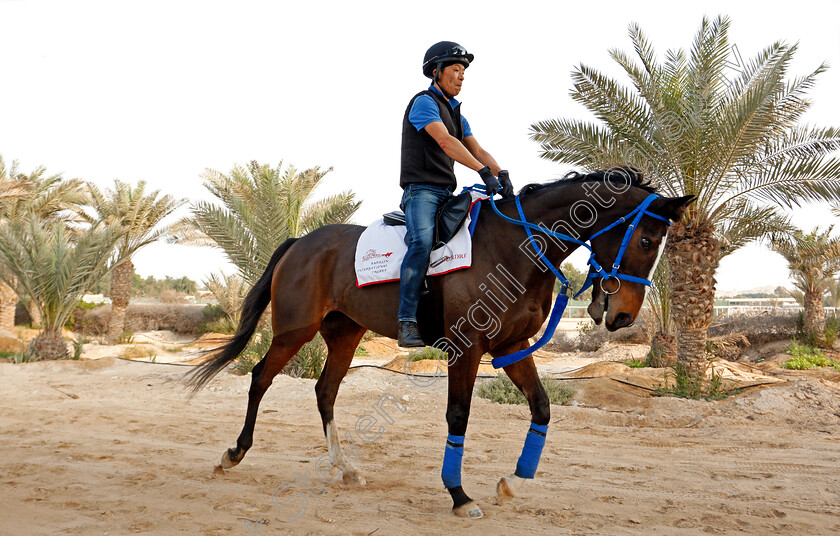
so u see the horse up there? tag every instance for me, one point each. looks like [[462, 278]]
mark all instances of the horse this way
[[311, 285]]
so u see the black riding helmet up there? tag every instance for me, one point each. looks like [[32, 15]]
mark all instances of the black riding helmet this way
[[442, 54]]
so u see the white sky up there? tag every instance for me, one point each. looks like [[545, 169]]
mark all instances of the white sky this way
[[161, 90]]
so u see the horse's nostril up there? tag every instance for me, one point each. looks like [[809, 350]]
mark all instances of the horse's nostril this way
[[622, 320]]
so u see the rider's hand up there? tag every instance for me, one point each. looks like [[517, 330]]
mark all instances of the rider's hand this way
[[507, 186], [490, 181]]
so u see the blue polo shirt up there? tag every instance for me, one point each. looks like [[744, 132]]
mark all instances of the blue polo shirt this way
[[425, 110]]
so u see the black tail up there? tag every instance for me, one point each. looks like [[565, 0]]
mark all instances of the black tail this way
[[253, 306]]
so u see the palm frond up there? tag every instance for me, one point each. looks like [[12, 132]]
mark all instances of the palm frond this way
[[334, 209], [813, 258], [744, 223], [54, 268], [258, 207], [698, 124], [140, 214]]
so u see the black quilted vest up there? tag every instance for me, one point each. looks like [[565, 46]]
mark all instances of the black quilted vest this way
[[423, 161]]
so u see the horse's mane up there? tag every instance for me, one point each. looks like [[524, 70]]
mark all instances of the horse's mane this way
[[617, 174]]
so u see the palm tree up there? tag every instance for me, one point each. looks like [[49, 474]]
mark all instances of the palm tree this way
[[140, 215], [51, 199], [814, 260], [261, 207], [658, 319], [229, 291], [56, 266], [698, 126]]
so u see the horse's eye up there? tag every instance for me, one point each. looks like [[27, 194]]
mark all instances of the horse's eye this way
[[646, 243]]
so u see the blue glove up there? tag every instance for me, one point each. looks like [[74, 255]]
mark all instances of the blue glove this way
[[491, 182], [507, 186]]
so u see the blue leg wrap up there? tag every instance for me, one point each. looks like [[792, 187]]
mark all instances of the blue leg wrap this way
[[452, 457], [526, 467]]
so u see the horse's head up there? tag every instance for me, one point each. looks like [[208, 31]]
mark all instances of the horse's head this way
[[619, 299]]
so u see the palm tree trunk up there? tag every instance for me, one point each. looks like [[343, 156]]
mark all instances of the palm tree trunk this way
[[8, 302], [34, 314], [120, 295], [693, 256], [814, 322], [48, 344]]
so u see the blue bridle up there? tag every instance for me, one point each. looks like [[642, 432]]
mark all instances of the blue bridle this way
[[596, 270]]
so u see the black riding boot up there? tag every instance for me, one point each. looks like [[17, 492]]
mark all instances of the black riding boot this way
[[409, 335]]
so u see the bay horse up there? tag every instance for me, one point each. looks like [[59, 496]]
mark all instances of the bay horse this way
[[492, 307]]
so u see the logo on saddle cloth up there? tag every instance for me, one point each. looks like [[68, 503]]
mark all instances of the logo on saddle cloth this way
[[375, 267], [372, 254]]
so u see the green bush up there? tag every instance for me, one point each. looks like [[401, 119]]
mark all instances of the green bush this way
[[19, 357], [636, 363], [78, 344], [807, 363], [126, 337], [798, 363], [79, 312], [429, 352], [307, 363], [215, 321], [803, 350], [832, 329], [256, 350], [502, 391], [687, 385], [824, 338], [220, 325]]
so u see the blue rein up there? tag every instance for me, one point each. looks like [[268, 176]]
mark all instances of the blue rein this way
[[596, 269]]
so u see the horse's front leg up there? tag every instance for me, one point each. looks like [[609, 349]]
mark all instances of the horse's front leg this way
[[461, 381], [524, 375]]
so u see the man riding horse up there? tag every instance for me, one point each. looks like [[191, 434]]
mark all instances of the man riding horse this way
[[434, 136]]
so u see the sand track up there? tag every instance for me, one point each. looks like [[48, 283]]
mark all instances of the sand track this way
[[131, 455]]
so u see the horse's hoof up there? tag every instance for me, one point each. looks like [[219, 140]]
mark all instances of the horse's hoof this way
[[470, 510], [353, 478], [218, 470], [503, 492], [226, 462]]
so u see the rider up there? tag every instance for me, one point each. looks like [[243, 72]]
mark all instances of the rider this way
[[434, 136]]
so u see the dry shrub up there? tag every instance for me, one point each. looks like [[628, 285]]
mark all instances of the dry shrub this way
[[758, 327], [172, 296], [179, 318], [730, 347], [592, 339], [139, 351]]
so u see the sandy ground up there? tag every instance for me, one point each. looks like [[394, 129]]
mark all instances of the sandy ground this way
[[107, 446]]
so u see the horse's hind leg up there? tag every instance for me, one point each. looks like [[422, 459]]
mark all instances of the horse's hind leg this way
[[342, 335], [524, 375], [283, 348]]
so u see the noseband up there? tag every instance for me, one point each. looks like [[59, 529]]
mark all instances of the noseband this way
[[596, 270]]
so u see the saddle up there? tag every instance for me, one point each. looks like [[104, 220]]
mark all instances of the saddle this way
[[448, 219]]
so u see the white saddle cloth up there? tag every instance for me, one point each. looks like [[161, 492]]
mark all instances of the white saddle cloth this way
[[381, 249]]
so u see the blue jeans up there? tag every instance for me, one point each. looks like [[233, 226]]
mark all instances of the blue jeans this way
[[420, 203]]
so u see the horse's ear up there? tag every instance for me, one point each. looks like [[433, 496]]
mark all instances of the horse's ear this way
[[672, 207]]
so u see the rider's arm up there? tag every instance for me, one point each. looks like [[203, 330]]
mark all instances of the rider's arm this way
[[454, 148], [481, 155]]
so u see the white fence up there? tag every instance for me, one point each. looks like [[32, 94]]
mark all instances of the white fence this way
[[578, 312]]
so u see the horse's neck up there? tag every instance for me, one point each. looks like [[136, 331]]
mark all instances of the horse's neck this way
[[506, 244], [573, 211]]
